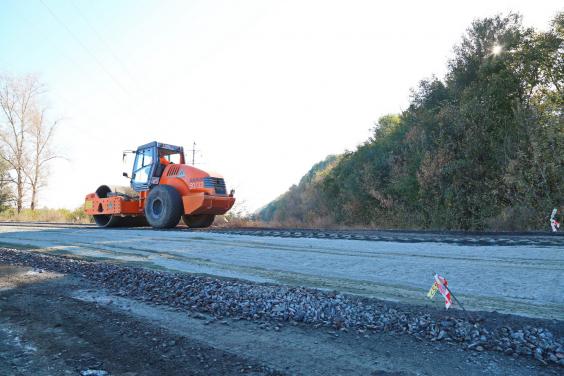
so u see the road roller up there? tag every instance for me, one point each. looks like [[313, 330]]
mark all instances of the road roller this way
[[166, 190]]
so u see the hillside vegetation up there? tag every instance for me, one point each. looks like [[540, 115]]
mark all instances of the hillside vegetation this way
[[481, 148]]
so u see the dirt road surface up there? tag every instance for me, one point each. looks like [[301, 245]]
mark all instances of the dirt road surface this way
[[57, 324], [512, 274], [216, 302]]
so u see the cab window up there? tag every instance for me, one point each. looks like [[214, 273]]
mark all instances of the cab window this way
[[142, 169], [169, 156]]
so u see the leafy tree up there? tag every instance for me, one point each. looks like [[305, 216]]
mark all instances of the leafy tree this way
[[480, 149]]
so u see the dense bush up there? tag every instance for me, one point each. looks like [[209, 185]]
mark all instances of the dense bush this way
[[480, 149]]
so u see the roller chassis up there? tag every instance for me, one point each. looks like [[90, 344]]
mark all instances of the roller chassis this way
[[126, 211], [168, 193]]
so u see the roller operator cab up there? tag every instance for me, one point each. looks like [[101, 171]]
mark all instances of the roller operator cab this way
[[166, 190]]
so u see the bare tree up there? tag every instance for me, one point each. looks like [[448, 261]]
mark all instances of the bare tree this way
[[17, 99], [40, 135]]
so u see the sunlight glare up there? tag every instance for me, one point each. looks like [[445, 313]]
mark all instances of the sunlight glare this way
[[496, 50]]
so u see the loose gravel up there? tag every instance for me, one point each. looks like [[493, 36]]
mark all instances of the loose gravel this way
[[281, 304], [538, 239]]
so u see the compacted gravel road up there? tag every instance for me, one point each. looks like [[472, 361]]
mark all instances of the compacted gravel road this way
[[62, 316], [78, 300], [520, 274]]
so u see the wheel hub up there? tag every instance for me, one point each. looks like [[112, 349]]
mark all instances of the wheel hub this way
[[157, 207]]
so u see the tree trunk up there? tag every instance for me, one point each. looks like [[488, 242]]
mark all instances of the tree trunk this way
[[33, 198], [19, 196]]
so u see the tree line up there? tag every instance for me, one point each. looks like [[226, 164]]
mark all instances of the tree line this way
[[481, 148], [26, 137]]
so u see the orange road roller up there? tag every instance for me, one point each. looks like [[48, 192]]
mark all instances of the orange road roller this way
[[166, 188]]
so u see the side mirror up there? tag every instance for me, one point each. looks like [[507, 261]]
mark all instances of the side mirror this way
[[231, 193], [125, 174]]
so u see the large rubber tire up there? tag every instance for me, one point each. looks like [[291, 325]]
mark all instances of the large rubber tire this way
[[198, 221], [163, 207]]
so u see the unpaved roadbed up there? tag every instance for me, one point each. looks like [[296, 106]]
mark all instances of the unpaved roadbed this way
[[538, 238], [535, 341], [520, 278], [405, 236]]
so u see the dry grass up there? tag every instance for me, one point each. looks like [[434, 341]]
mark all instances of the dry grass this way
[[230, 221], [46, 215], [78, 216]]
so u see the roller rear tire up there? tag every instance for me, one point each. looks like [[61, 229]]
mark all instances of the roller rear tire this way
[[199, 220], [163, 207]]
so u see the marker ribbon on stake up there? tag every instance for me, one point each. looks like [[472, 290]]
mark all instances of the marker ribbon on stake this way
[[441, 285]]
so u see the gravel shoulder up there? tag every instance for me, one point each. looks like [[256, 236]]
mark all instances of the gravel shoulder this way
[[72, 315], [45, 331]]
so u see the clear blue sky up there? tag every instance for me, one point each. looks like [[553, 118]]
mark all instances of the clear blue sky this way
[[266, 88]]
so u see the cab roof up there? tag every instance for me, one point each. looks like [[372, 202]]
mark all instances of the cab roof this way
[[161, 145]]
